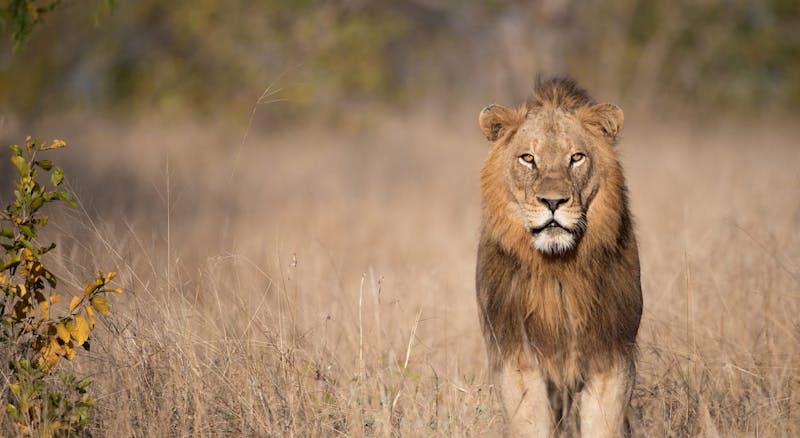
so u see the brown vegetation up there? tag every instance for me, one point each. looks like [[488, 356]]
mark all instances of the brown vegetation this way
[[321, 283]]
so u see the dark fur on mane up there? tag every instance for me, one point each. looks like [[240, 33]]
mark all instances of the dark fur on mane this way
[[559, 92]]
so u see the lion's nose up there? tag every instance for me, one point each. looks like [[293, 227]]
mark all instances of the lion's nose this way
[[552, 204]]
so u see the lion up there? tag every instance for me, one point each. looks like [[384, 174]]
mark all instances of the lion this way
[[557, 274]]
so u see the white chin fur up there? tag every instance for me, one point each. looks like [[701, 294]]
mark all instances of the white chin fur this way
[[553, 241]]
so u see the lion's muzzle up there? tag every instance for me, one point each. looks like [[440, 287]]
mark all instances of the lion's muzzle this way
[[552, 223], [554, 232]]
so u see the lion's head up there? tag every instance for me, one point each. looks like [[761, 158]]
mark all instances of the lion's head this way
[[552, 170]]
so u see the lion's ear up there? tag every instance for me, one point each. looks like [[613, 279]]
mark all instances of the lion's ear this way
[[607, 118], [496, 120]]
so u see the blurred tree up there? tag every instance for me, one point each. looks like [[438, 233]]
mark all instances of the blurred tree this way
[[19, 17]]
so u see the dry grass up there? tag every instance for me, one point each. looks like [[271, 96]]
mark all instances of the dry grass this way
[[320, 282]]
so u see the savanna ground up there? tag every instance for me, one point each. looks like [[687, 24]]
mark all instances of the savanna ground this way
[[319, 281]]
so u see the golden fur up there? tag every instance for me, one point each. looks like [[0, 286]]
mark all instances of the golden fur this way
[[558, 288]]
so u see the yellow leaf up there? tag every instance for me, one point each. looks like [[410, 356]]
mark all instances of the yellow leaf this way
[[52, 360], [110, 276], [117, 290], [44, 307], [15, 388], [90, 316], [27, 255], [55, 144], [53, 346], [69, 351], [74, 303], [62, 332], [81, 332], [100, 303], [22, 290], [21, 165], [54, 298], [51, 353]]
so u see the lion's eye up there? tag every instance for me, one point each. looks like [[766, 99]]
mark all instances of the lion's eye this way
[[576, 158], [527, 160]]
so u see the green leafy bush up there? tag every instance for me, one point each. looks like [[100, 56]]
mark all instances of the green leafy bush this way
[[34, 335]]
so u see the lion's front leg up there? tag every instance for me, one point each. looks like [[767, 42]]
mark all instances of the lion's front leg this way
[[604, 400], [523, 391]]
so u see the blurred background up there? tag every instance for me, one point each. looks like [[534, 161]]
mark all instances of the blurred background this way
[[289, 191], [213, 59]]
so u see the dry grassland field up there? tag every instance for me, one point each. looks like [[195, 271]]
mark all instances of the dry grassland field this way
[[320, 281]]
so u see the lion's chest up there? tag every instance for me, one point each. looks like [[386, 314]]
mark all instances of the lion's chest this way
[[558, 323]]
